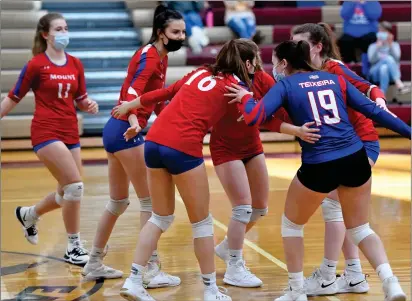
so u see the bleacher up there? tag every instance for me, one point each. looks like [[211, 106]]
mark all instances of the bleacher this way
[[104, 35]]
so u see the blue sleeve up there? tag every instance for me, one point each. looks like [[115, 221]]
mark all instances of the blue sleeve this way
[[258, 112], [347, 10], [373, 10], [367, 107]]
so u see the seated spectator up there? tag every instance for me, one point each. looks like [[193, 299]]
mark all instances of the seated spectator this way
[[360, 24], [240, 18], [195, 31], [384, 57]]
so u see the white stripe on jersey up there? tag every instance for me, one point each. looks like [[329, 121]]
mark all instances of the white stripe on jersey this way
[[146, 48], [132, 91]]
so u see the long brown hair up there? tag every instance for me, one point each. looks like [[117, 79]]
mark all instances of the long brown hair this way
[[297, 54], [43, 26], [321, 33], [232, 57]]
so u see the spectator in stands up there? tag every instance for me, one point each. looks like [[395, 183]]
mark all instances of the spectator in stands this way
[[240, 18], [384, 56], [195, 31], [360, 24]]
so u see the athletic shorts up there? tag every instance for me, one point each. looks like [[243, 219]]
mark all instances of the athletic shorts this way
[[350, 171], [372, 149], [113, 139], [176, 162], [43, 144]]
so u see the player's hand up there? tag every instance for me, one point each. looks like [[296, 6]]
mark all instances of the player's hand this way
[[307, 134], [89, 106], [380, 102], [237, 92], [121, 109], [131, 132]]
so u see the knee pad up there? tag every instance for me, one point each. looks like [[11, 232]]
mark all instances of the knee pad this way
[[360, 233], [290, 229], [58, 198], [117, 207], [146, 204], [242, 213], [258, 214], [203, 228], [332, 211], [163, 222], [73, 192]]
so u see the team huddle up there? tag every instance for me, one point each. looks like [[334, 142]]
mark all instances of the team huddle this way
[[311, 95]]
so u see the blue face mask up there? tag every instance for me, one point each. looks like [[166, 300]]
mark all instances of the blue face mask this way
[[382, 35], [61, 40], [278, 76]]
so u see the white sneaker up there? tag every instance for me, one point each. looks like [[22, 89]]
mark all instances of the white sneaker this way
[[316, 285], [222, 250], [297, 295], [100, 271], [239, 275], [155, 278], [28, 223], [77, 255], [393, 290], [214, 292], [352, 283], [134, 292]]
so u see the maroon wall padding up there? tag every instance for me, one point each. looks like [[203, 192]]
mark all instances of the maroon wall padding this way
[[396, 12]]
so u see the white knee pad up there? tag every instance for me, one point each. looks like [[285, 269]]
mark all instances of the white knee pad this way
[[242, 213], [146, 204], [163, 222], [332, 211], [117, 207], [58, 198], [258, 214], [73, 191], [360, 233], [290, 229], [203, 228]]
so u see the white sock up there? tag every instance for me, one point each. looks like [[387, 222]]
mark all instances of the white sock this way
[[74, 239], [154, 257], [353, 266], [32, 212], [225, 242], [234, 256], [328, 269], [136, 273], [384, 271], [96, 254], [296, 280], [209, 280]]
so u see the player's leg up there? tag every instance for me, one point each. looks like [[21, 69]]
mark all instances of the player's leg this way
[[134, 164], [234, 180], [116, 206]]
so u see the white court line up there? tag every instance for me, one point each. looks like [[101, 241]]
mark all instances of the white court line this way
[[256, 248]]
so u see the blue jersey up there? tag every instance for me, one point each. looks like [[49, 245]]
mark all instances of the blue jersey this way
[[321, 97]]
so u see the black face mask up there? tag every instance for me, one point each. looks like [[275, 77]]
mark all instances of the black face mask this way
[[173, 45]]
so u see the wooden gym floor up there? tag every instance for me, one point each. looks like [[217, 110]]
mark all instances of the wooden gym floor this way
[[38, 273]]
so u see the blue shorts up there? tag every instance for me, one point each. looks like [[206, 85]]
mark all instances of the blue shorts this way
[[45, 143], [113, 139], [372, 149], [176, 162]]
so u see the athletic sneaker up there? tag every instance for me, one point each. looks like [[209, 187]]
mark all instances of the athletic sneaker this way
[[28, 223], [393, 290], [100, 271], [76, 254], [296, 295], [222, 250], [154, 277], [238, 274], [133, 291], [352, 283], [316, 285], [214, 292]]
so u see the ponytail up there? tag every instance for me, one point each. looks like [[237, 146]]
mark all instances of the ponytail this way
[[43, 26], [333, 50], [297, 54], [161, 18]]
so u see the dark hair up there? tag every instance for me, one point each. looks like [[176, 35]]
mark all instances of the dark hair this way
[[386, 25], [321, 33], [297, 54], [43, 26], [232, 57], [162, 17]]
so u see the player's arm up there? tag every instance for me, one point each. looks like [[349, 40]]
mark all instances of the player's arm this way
[[371, 110], [20, 89], [84, 103]]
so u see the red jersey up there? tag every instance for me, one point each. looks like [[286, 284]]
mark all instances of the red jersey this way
[[197, 106], [55, 89], [146, 72]]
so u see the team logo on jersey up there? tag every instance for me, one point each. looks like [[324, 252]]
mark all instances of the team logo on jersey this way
[[43, 278], [46, 67], [314, 76], [63, 76]]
